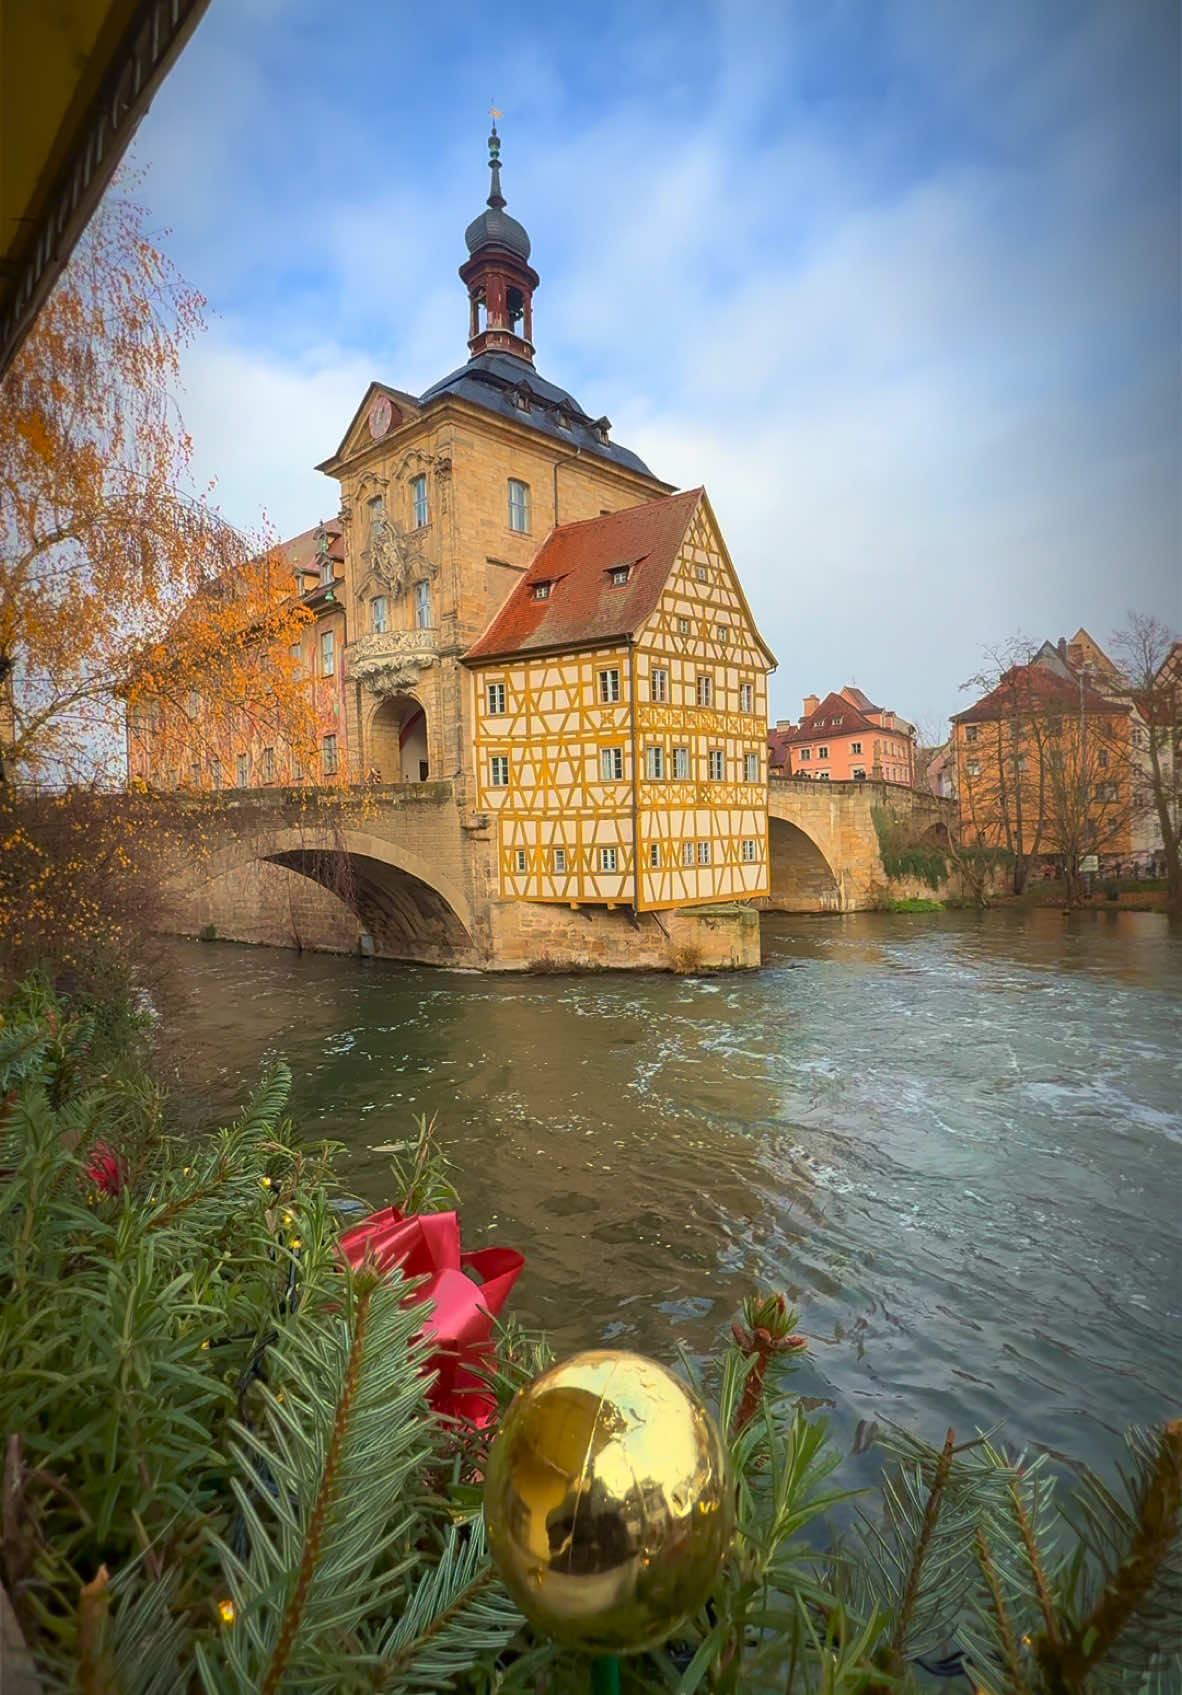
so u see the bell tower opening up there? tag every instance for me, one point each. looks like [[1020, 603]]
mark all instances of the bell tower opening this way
[[498, 275]]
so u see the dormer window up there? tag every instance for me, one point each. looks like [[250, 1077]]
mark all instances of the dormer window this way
[[540, 591], [601, 426], [563, 418], [618, 575], [521, 399]]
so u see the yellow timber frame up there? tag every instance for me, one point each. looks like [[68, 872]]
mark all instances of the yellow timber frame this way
[[689, 695]]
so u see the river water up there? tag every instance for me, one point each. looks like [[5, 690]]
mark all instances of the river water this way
[[954, 1138]]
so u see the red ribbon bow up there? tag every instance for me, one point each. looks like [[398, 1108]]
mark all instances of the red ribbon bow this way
[[428, 1245]]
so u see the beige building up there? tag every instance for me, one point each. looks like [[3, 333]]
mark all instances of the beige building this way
[[524, 613]]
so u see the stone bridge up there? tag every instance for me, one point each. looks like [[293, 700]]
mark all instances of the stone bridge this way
[[406, 872], [824, 844]]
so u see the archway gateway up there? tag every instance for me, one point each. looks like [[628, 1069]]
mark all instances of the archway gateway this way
[[397, 742]]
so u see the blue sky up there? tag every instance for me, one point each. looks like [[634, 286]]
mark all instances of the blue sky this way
[[899, 283]]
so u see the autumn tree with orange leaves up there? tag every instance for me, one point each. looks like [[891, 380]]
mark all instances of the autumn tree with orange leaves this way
[[118, 591]]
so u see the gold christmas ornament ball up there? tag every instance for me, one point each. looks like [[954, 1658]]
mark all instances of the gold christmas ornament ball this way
[[607, 1502]]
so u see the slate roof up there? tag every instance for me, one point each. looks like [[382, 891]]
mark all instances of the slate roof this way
[[583, 608], [1034, 687], [492, 379]]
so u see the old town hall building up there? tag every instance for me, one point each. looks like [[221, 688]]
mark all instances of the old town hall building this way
[[512, 604]]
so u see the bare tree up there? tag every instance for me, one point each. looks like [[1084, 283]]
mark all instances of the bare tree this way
[[1151, 656]]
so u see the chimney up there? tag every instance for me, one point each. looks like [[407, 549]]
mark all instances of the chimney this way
[[783, 723], [1063, 648], [811, 704]]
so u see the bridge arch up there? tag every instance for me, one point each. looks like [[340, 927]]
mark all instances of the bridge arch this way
[[801, 877], [401, 899]]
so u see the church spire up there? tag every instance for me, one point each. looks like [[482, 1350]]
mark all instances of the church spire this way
[[498, 275]]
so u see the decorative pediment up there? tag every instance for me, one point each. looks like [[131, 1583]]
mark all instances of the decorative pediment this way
[[382, 412]]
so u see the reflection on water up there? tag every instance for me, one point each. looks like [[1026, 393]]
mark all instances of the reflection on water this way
[[955, 1138]]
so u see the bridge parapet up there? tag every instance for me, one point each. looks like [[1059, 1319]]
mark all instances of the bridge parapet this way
[[825, 853]]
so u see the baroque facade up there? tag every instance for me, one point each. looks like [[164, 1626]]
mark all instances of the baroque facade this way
[[513, 605]]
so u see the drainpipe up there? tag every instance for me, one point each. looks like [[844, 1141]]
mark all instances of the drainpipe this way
[[635, 783], [557, 463]]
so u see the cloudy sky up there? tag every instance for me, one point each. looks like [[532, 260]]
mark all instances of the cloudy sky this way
[[898, 282]]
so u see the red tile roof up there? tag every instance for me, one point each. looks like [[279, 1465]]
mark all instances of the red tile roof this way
[[583, 608], [862, 701], [1026, 688], [301, 549], [833, 718]]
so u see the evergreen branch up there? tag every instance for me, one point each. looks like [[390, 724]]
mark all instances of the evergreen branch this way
[[1001, 1616], [1038, 1571], [450, 1620], [931, 1515], [1129, 1588], [326, 1494]]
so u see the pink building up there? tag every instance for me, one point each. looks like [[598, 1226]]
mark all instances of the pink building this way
[[844, 738]]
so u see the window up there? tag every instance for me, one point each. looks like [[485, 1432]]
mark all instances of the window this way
[[418, 496], [498, 771], [859, 773], [540, 591], [806, 753], [518, 506], [618, 575], [751, 767], [329, 748], [560, 859], [722, 633], [747, 851], [423, 605], [746, 697], [855, 747], [611, 763], [1107, 791], [659, 684], [654, 854], [822, 753], [1102, 759], [328, 655], [377, 614], [703, 853], [973, 767], [608, 858], [681, 762], [1023, 762], [705, 690], [215, 772], [519, 859], [716, 764], [822, 776], [971, 732], [268, 765], [701, 573], [195, 775], [297, 769], [654, 762], [687, 853], [683, 626], [609, 685], [243, 769], [496, 699]]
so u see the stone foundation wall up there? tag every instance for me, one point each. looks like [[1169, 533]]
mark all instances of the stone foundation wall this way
[[534, 935], [270, 905]]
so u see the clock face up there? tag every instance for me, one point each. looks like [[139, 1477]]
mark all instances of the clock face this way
[[381, 415]]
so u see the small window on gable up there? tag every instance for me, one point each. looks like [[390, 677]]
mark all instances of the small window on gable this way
[[618, 575], [540, 591], [701, 573], [722, 634], [521, 399], [683, 626]]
